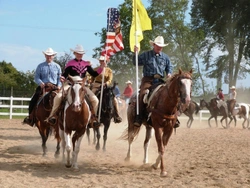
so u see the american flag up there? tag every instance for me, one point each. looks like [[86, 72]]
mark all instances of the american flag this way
[[114, 36]]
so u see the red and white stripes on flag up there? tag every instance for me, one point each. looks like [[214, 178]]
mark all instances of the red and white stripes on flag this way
[[114, 42]]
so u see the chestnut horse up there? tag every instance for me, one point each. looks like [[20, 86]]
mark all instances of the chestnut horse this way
[[212, 106], [240, 109], [107, 111], [162, 108], [76, 117], [41, 112]]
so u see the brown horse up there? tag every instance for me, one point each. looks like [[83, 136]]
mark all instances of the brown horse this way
[[240, 109], [41, 112], [192, 109], [212, 106], [162, 110], [76, 117]]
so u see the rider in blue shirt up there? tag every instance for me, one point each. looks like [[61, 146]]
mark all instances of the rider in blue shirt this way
[[156, 65], [46, 72]]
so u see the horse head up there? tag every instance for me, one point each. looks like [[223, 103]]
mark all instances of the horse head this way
[[181, 84], [76, 92]]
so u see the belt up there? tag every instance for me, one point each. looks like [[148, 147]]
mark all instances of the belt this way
[[98, 82], [157, 76]]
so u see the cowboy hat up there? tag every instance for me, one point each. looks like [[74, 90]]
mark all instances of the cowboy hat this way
[[159, 41], [78, 49], [49, 51], [128, 82], [102, 58], [233, 87]]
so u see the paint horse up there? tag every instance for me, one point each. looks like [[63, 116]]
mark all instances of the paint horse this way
[[76, 117]]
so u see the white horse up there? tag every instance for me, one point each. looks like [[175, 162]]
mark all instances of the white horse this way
[[76, 117]]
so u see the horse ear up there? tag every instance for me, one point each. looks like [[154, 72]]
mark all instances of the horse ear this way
[[180, 71], [191, 71]]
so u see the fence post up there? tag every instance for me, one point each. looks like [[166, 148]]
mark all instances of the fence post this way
[[11, 106]]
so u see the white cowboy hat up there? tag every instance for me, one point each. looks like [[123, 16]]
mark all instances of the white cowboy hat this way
[[103, 58], [233, 87], [78, 49], [159, 41], [128, 82], [49, 51]]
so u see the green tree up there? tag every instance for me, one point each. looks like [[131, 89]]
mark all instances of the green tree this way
[[226, 26]]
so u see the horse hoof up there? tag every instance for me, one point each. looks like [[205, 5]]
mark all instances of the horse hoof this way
[[164, 174], [68, 165], [127, 159], [97, 148], [154, 167], [76, 169]]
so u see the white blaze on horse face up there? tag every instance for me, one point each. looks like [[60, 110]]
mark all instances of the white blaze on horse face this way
[[77, 100], [188, 84]]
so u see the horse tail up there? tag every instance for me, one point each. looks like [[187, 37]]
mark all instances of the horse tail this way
[[129, 133], [197, 108]]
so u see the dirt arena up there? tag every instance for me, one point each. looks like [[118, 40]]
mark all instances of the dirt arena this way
[[197, 157]]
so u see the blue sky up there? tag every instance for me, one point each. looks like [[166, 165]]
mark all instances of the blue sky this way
[[27, 27]]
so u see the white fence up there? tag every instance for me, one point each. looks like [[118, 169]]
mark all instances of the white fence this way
[[12, 108]]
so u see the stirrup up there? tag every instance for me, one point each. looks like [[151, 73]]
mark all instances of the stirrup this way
[[138, 121], [177, 124]]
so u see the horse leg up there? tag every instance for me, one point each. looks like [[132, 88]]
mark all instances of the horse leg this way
[[44, 134], [57, 136], [68, 149], [222, 123], [63, 144], [243, 124], [88, 134], [132, 132], [94, 139], [166, 135], [209, 121], [188, 122], [191, 119], [159, 159], [149, 134], [76, 142], [105, 135], [98, 136]]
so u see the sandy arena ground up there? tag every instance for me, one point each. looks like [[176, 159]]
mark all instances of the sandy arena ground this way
[[195, 158]]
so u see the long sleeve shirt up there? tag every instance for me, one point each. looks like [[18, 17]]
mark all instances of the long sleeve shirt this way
[[108, 76], [117, 91], [79, 68], [48, 73], [128, 91], [154, 63]]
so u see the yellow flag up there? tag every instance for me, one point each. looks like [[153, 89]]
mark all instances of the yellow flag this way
[[140, 22]]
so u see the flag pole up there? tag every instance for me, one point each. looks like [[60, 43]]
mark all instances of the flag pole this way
[[103, 73], [136, 59]]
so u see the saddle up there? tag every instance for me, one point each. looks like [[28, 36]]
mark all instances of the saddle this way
[[149, 93]]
